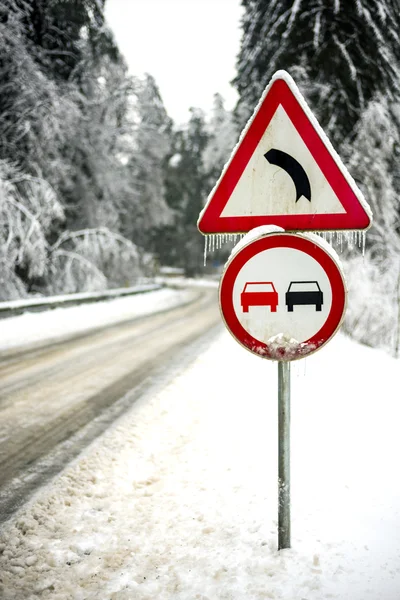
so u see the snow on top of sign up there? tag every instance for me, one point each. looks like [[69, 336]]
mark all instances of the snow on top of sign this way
[[253, 234], [281, 74]]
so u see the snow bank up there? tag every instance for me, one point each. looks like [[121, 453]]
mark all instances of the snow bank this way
[[32, 328]]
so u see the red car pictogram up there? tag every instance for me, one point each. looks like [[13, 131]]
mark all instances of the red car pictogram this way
[[259, 293]]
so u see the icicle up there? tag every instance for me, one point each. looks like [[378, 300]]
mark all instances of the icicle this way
[[337, 240], [349, 239], [205, 250], [364, 235]]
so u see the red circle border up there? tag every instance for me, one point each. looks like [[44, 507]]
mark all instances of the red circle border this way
[[296, 242]]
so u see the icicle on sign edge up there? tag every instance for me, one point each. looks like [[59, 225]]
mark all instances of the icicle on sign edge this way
[[353, 238], [357, 215]]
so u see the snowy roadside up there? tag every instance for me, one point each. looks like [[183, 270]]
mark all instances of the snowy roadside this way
[[54, 324], [178, 499]]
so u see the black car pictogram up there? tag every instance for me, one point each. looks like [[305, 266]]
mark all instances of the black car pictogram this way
[[304, 292]]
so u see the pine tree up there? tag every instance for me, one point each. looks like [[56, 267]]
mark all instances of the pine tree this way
[[187, 187], [341, 53], [62, 34]]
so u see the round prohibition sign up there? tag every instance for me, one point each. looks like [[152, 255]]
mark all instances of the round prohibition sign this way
[[283, 295]]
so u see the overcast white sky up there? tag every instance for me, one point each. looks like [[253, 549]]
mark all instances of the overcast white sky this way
[[189, 46]]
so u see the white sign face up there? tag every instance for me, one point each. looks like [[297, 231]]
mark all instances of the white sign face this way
[[291, 273], [265, 188], [283, 295]]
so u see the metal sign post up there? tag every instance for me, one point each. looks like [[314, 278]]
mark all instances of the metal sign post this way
[[284, 454]]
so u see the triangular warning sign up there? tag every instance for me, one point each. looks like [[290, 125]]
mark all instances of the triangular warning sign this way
[[285, 172]]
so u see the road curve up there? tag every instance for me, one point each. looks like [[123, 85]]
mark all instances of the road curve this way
[[48, 396]]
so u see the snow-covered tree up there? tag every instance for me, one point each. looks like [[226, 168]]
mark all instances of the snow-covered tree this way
[[34, 115], [92, 259], [69, 129], [151, 131], [373, 314], [29, 212], [62, 34], [223, 136], [341, 53]]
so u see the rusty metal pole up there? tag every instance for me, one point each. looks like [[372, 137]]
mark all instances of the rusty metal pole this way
[[284, 455]]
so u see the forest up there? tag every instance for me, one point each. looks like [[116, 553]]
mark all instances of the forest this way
[[99, 188]]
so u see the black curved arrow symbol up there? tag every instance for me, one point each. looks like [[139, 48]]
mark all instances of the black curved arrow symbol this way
[[294, 169]]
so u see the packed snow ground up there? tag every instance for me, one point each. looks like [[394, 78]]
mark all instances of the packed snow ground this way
[[178, 500]]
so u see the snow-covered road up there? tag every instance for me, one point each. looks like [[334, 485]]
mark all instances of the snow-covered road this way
[[48, 395], [177, 501]]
